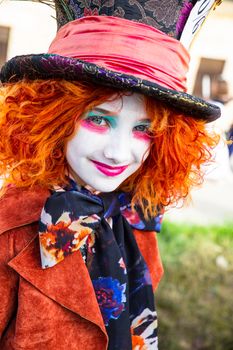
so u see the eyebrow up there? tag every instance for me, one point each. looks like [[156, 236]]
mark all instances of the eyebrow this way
[[115, 114], [144, 121], [105, 111]]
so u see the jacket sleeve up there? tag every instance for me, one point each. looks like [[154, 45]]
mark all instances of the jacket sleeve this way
[[8, 281], [148, 245]]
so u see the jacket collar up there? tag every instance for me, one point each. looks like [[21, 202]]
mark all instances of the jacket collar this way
[[19, 207]]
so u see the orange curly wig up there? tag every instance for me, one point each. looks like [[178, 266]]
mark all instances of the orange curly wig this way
[[37, 118]]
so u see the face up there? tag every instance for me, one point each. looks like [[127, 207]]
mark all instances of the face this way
[[110, 143]]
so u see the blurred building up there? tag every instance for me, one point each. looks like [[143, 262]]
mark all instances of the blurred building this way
[[212, 52], [211, 69], [25, 27]]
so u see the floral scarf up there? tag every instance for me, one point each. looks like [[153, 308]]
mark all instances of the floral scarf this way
[[101, 227]]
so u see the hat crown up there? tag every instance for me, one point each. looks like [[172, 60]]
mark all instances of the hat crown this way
[[169, 16], [165, 15]]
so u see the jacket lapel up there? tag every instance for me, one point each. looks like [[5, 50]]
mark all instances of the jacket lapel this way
[[68, 283]]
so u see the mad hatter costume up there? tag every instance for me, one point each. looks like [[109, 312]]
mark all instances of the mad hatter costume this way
[[79, 256]]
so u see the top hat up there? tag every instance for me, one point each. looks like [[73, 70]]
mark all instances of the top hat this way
[[137, 45]]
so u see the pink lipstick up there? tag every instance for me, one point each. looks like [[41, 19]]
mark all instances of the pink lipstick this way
[[108, 169]]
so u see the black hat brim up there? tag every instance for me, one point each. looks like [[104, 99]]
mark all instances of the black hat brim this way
[[51, 66]]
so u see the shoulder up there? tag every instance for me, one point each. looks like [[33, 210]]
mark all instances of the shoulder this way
[[148, 245], [19, 207]]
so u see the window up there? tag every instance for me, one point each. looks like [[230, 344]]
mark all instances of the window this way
[[4, 36], [209, 83]]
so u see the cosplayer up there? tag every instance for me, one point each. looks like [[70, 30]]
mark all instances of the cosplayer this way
[[96, 138]]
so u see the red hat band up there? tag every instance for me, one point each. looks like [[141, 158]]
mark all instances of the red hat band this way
[[125, 46]]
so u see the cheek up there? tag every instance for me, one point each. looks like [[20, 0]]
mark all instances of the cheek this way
[[83, 144], [141, 149], [74, 150], [77, 146]]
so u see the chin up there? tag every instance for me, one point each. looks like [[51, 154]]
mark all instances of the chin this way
[[105, 187]]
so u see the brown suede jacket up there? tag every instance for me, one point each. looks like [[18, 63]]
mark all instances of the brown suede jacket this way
[[54, 308]]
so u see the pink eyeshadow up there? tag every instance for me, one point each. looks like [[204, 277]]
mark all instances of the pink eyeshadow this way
[[92, 127], [141, 136]]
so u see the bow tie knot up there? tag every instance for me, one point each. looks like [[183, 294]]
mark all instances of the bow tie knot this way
[[72, 214], [75, 215]]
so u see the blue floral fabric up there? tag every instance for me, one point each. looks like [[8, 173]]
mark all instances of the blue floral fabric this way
[[101, 227]]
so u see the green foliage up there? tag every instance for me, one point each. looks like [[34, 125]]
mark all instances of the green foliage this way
[[195, 296]]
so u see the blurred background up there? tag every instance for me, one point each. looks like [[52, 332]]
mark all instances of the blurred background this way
[[194, 299]]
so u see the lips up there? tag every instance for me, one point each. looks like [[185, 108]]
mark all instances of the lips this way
[[109, 170]]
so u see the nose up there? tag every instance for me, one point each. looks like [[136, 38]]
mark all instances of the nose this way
[[118, 149]]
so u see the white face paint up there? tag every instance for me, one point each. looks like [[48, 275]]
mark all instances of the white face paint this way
[[110, 143]]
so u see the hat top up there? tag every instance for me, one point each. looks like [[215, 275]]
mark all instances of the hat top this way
[[179, 19], [160, 14]]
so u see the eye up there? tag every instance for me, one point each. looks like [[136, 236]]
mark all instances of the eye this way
[[142, 128], [142, 131], [97, 120]]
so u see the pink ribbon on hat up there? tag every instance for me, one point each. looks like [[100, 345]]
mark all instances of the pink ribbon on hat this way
[[126, 47]]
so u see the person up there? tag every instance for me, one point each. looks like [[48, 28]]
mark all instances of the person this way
[[230, 145], [95, 141], [230, 138]]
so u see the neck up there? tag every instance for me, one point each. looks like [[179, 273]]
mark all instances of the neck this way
[[80, 182]]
